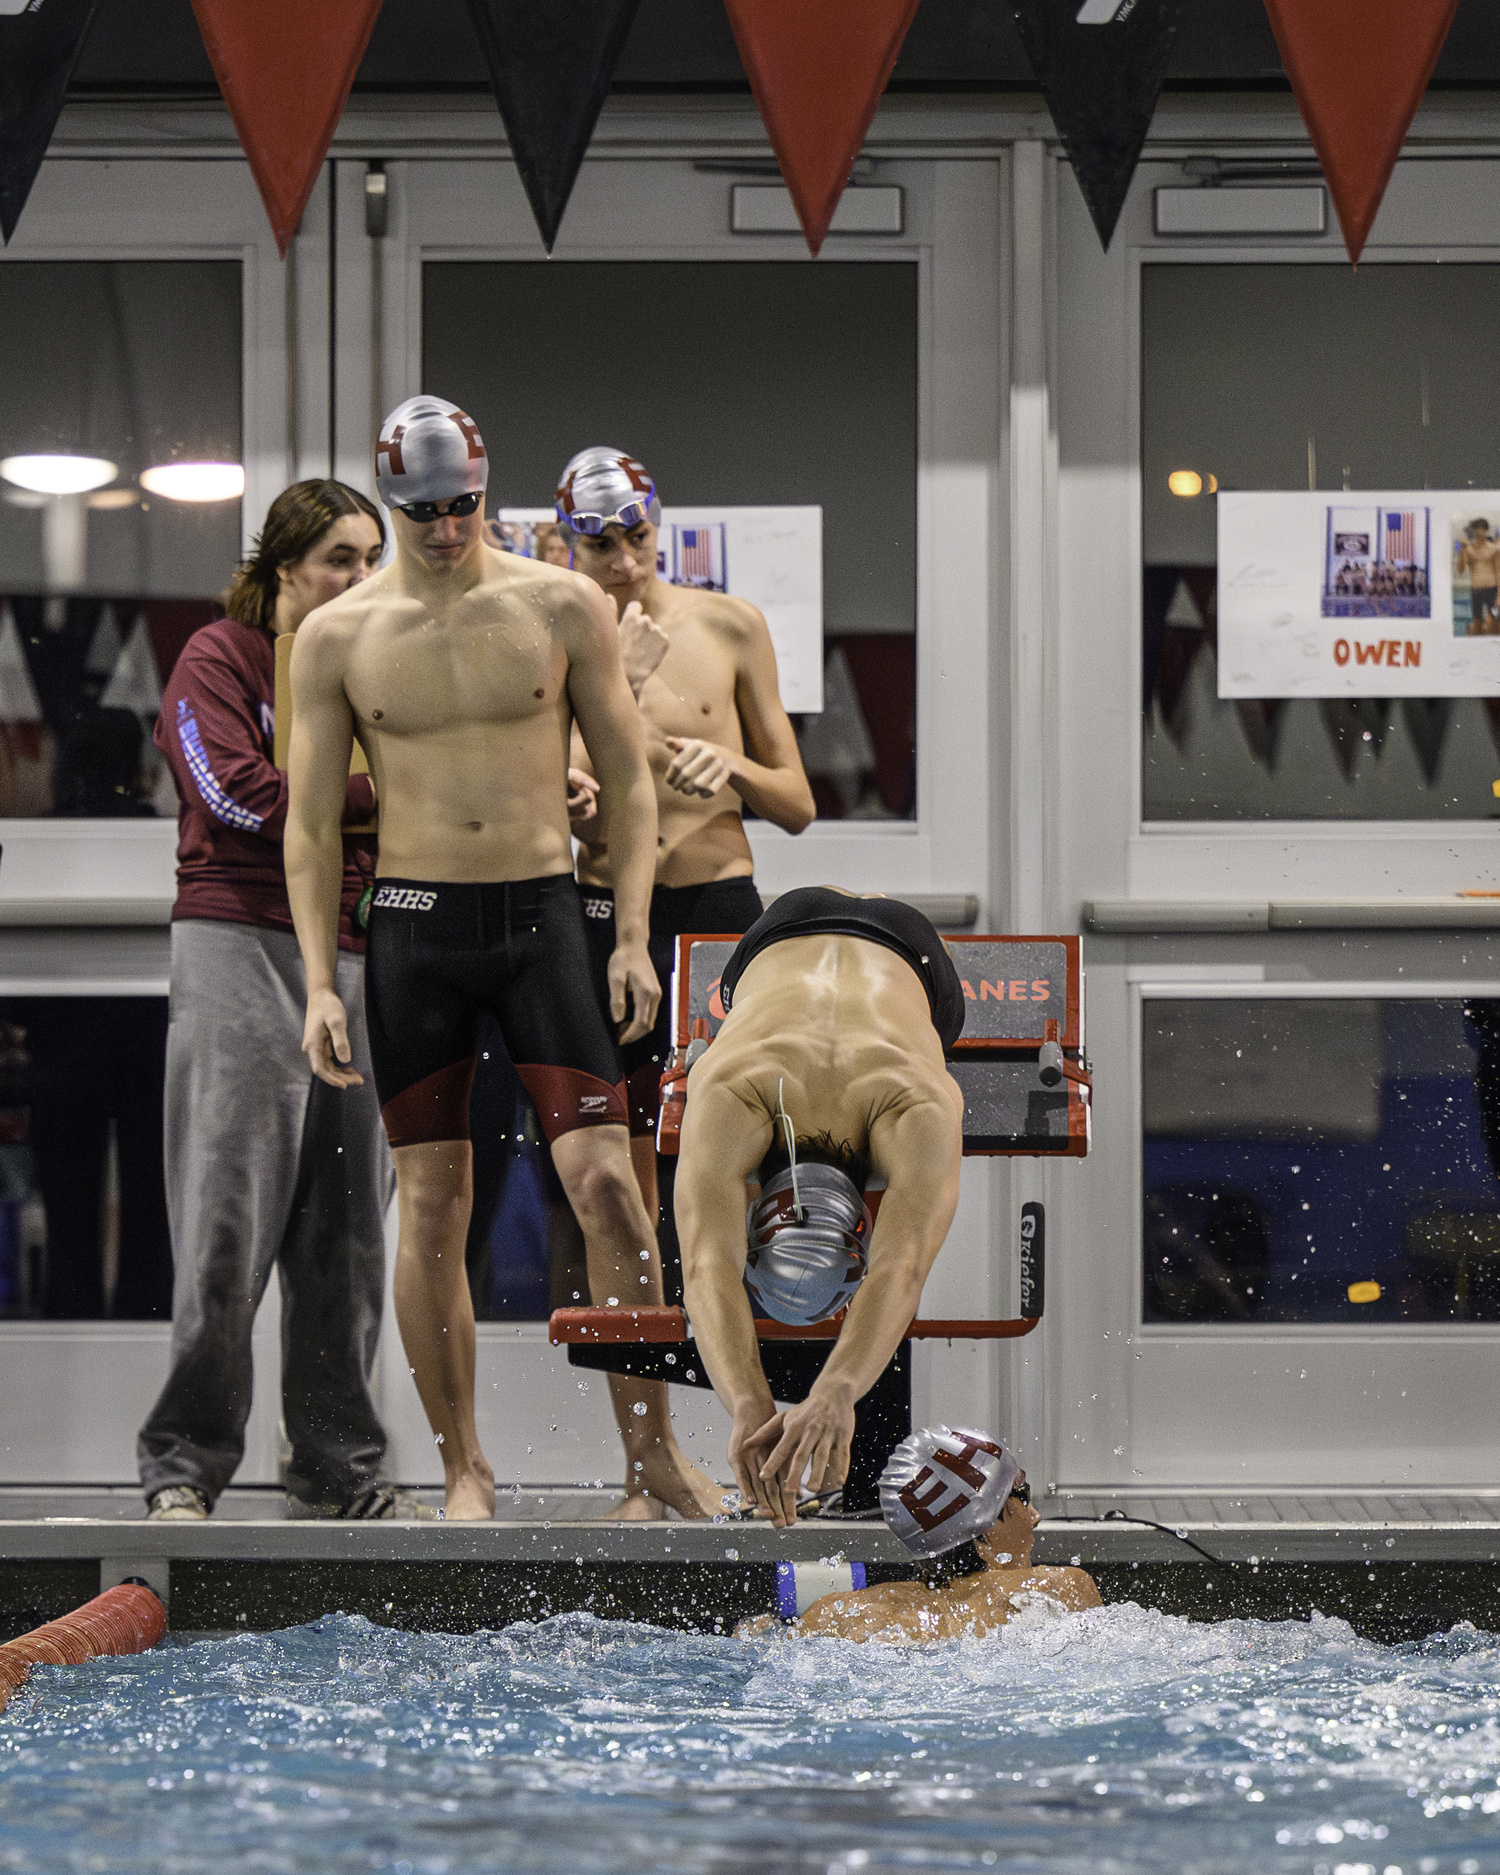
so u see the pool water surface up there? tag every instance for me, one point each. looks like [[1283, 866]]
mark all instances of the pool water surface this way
[[1116, 1740]]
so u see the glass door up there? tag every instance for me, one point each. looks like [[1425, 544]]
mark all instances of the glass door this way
[[145, 424], [1278, 1274], [867, 384]]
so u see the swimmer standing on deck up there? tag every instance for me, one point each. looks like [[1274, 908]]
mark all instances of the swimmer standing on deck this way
[[461, 671], [829, 1060], [703, 668]]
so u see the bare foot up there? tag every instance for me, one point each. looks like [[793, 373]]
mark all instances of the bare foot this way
[[470, 1498], [672, 1480], [637, 1507]]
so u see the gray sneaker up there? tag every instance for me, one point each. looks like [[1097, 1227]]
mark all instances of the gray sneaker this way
[[380, 1501], [177, 1503]]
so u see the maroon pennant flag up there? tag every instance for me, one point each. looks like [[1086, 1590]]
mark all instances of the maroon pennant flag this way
[[285, 69], [817, 68], [1358, 69]]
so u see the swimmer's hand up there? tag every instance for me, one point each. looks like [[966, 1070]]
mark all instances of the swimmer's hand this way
[[697, 768], [812, 1440], [325, 1040], [643, 645], [632, 987], [759, 1496], [583, 798]]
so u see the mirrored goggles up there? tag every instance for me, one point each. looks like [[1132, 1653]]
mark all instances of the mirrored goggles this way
[[457, 505], [631, 515]]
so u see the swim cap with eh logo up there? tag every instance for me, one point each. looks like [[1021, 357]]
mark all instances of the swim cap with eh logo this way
[[942, 1487], [601, 487], [429, 450]]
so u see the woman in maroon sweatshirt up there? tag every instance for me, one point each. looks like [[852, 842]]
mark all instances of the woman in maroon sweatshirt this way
[[264, 1163]]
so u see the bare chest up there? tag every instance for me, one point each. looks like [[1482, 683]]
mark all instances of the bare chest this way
[[691, 692], [430, 675]]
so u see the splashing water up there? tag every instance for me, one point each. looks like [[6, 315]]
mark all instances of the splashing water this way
[[1118, 1740]]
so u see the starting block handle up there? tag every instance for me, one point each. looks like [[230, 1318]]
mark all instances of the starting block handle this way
[[616, 1327]]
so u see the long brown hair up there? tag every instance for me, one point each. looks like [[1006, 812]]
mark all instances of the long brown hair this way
[[296, 521]]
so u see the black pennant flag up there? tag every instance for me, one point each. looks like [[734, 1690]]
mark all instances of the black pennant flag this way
[[550, 65], [38, 50], [1100, 66]]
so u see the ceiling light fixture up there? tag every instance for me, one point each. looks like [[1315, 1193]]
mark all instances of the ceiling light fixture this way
[[58, 474], [1185, 482], [195, 481]]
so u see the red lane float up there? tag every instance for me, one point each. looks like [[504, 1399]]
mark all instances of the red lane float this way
[[124, 1620], [616, 1327]]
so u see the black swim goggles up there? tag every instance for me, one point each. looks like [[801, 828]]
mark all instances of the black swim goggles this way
[[457, 505], [1022, 1491]]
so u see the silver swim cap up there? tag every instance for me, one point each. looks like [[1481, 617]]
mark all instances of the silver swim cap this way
[[802, 1270], [942, 1487], [601, 487], [429, 450]]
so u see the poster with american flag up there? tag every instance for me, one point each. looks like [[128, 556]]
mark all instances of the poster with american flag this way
[[771, 556], [1358, 593], [699, 557]]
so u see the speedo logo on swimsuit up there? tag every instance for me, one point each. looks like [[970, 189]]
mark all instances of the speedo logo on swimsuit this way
[[404, 898], [593, 1103], [598, 908]]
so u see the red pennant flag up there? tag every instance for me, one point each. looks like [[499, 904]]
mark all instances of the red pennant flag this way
[[817, 68], [285, 69], [1359, 68]]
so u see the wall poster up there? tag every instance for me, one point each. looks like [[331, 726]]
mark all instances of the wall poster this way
[[771, 556], [1359, 594]]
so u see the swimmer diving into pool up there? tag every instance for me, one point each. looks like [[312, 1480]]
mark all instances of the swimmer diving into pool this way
[[461, 671], [828, 1068]]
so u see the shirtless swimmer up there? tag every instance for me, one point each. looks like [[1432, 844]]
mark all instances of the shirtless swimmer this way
[[838, 1012], [718, 740], [461, 671]]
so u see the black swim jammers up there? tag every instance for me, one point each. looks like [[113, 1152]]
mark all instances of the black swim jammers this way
[[816, 910], [437, 956], [722, 905]]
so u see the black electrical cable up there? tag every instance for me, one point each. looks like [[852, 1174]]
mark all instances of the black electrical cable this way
[[1119, 1516]]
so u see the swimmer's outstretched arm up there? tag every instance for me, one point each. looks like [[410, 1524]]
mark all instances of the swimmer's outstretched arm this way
[[920, 1152], [724, 1137], [317, 777], [610, 725]]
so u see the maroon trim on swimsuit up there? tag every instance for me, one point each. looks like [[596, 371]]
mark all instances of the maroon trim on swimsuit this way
[[567, 1098], [643, 1098], [434, 1108]]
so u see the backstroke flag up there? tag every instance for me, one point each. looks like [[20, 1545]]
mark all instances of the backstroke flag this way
[[39, 46], [551, 62], [1100, 65], [1358, 69], [285, 68], [817, 68]]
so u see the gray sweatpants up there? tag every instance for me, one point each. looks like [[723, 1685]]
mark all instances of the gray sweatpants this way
[[267, 1164]]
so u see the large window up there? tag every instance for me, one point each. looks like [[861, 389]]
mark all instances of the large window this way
[[1320, 1160], [1295, 377], [737, 383], [120, 469]]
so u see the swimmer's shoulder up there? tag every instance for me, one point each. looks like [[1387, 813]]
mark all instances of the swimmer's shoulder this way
[[736, 622], [340, 619], [568, 603]]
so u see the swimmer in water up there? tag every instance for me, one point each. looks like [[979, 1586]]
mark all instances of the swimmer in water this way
[[461, 671], [829, 1063], [971, 1589]]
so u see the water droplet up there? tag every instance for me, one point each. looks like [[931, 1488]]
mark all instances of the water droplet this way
[[639, 1409]]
